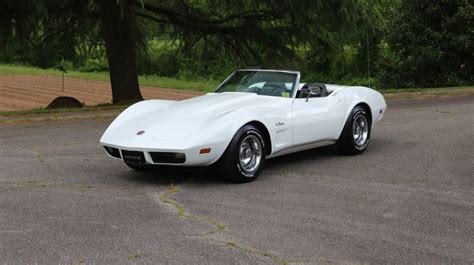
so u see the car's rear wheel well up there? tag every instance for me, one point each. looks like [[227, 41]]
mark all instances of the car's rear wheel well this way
[[266, 135], [367, 109]]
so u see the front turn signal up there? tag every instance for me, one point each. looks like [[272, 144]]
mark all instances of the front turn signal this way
[[204, 151]]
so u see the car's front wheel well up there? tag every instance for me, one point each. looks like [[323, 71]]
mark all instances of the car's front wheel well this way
[[266, 135], [367, 109]]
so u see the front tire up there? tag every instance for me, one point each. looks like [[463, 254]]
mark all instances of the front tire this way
[[244, 158], [355, 136]]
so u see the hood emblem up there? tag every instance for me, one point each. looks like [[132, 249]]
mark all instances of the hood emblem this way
[[140, 132]]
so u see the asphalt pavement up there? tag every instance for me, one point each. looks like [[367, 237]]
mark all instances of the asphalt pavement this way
[[409, 198]]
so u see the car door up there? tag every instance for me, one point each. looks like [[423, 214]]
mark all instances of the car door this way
[[318, 118]]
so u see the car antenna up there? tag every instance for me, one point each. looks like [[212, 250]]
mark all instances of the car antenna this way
[[368, 57]]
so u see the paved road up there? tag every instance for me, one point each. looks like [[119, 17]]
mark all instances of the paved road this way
[[409, 198]]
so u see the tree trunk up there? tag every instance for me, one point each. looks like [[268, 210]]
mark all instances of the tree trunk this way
[[4, 24], [2, 43], [123, 70], [120, 47]]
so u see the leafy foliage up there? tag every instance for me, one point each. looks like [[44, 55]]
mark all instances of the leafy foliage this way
[[431, 43], [403, 43], [43, 33], [259, 32]]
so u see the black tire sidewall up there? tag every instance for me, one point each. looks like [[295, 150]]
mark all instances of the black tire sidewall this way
[[346, 142], [231, 166], [357, 112]]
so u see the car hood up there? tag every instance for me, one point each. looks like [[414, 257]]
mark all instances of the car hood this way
[[182, 119]]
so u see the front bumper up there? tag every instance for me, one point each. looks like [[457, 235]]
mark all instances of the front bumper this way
[[173, 157]]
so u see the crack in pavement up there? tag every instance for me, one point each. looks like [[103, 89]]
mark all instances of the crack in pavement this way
[[41, 160], [165, 198], [219, 227]]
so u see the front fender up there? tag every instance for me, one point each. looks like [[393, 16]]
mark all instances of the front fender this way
[[358, 95], [226, 126]]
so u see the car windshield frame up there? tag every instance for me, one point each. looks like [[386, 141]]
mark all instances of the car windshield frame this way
[[291, 92]]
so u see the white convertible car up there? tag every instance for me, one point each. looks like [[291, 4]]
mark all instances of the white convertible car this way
[[253, 115]]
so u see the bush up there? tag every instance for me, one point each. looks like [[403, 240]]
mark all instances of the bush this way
[[162, 62], [430, 44], [94, 65]]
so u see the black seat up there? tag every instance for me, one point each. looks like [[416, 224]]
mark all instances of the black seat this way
[[315, 87]]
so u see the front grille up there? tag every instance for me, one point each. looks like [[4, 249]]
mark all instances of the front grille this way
[[171, 158], [133, 157], [113, 151]]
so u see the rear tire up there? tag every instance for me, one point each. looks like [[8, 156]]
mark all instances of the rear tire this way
[[355, 136], [244, 158]]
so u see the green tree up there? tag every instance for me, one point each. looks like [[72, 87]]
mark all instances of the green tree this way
[[268, 32], [42, 33], [18, 26], [262, 32], [431, 43]]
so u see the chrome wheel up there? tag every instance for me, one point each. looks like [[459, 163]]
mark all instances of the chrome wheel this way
[[360, 130], [250, 153]]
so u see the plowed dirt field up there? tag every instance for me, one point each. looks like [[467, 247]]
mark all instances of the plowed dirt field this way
[[22, 92]]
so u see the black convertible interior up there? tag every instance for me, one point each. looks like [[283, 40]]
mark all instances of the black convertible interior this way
[[314, 90]]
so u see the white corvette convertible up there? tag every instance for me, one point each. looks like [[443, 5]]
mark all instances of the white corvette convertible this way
[[253, 115]]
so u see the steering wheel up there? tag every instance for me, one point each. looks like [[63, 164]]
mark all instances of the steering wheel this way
[[275, 89]]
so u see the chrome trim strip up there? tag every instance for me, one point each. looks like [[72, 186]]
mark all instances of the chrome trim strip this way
[[302, 147]]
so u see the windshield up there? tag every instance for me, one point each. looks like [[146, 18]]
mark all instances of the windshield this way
[[277, 84]]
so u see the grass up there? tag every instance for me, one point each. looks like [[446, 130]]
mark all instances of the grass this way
[[168, 82], [150, 80], [101, 107], [410, 90], [423, 93], [38, 115], [209, 85]]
